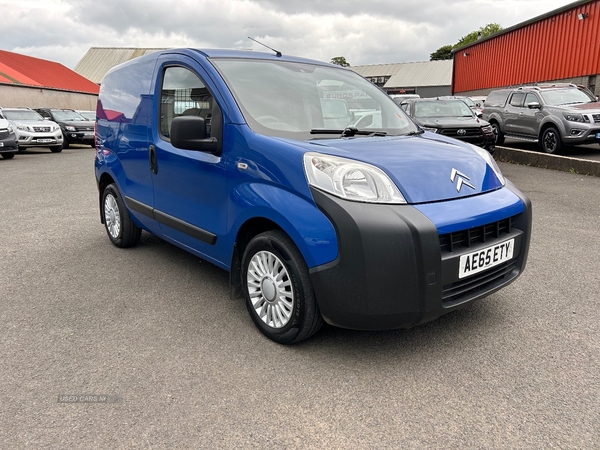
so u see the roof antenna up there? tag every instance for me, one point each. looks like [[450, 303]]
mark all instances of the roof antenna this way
[[277, 52]]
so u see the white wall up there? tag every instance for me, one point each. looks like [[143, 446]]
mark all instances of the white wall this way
[[21, 96]]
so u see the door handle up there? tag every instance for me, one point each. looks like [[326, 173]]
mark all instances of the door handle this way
[[152, 159]]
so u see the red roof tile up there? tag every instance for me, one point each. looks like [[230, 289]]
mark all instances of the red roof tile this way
[[30, 71]]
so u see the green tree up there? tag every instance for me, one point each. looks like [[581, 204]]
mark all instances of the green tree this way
[[444, 52], [340, 61], [483, 32]]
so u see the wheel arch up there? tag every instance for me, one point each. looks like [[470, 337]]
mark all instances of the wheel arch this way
[[249, 229], [551, 123], [104, 180]]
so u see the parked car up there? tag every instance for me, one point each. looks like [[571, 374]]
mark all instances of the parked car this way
[[75, 128], [477, 109], [89, 115], [8, 141], [452, 118], [32, 130], [399, 98], [479, 100], [370, 228], [554, 116]]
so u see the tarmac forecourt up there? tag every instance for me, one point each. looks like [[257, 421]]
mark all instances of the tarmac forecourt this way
[[555, 162]]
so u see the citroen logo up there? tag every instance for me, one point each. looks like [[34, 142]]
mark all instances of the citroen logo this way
[[461, 132], [462, 179]]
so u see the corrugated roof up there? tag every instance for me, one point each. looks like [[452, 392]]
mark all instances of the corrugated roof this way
[[429, 73], [99, 60], [412, 74], [27, 70], [377, 70]]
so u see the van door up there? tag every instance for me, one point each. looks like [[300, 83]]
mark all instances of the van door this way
[[190, 195]]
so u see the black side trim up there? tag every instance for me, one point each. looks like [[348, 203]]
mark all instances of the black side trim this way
[[185, 227], [140, 207], [173, 222]]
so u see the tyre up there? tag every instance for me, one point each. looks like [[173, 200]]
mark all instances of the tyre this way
[[551, 142], [65, 143], [8, 155], [21, 149], [498, 133], [120, 228], [56, 148], [277, 289]]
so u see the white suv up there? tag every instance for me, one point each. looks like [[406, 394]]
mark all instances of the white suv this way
[[33, 130]]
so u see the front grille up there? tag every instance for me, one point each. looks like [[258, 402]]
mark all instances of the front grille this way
[[596, 117], [477, 283], [3, 134], [465, 238], [454, 132], [85, 128], [41, 129]]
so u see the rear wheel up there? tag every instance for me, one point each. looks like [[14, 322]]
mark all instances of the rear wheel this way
[[551, 142], [8, 155], [499, 135], [120, 228], [56, 148], [277, 289]]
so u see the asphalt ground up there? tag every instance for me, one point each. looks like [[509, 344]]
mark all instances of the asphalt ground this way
[[182, 365], [589, 152]]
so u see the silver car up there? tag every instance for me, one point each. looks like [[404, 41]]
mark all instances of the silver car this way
[[554, 116], [32, 130]]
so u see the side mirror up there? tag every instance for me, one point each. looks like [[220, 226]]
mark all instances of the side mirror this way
[[533, 105], [189, 133]]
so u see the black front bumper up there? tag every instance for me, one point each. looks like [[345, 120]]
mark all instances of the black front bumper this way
[[78, 137], [392, 272], [8, 144]]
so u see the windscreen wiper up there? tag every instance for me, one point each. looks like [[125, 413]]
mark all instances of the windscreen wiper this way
[[348, 132], [414, 133]]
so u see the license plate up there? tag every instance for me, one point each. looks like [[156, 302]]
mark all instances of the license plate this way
[[44, 141], [486, 258], [88, 133]]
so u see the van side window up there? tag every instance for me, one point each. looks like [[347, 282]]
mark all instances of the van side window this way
[[183, 94], [517, 99]]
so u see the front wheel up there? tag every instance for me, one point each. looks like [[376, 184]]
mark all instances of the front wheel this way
[[120, 228], [8, 155], [551, 142], [65, 142], [56, 148], [498, 133], [277, 289]]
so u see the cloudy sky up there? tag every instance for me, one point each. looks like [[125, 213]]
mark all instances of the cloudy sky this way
[[363, 31]]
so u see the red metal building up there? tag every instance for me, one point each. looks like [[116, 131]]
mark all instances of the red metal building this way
[[562, 45], [29, 71]]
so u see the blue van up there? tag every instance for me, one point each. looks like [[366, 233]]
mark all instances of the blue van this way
[[306, 182]]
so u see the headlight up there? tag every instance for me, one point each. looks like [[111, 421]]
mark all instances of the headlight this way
[[491, 162], [350, 179], [23, 128], [11, 129], [574, 117], [54, 128], [487, 129], [433, 130], [69, 128]]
